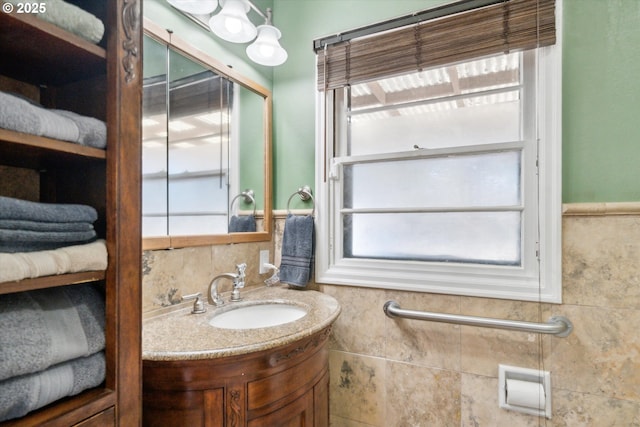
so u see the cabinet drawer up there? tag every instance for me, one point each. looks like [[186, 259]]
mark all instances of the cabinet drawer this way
[[103, 419], [298, 378]]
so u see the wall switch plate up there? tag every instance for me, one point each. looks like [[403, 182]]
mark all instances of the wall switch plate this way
[[264, 258]]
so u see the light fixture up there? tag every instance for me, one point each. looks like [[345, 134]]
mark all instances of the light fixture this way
[[195, 7], [232, 24], [266, 49]]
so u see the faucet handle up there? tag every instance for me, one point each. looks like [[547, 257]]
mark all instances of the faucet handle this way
[[198, 304], [239, 282], [241, 268]]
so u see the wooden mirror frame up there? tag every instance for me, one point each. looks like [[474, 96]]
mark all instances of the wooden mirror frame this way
[[166, 242]]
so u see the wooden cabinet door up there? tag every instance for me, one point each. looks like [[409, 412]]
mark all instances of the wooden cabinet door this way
[[298, 413], [321, 402], [184, 409], [213, 408]]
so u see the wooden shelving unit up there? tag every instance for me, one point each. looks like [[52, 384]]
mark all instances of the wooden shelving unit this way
[[64, 71]]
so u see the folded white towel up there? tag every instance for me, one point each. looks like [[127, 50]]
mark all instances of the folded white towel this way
[[70, 259]]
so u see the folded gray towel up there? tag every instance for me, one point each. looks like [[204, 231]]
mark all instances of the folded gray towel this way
[[13, 241], [17, 224], [18, 114], [92, 132], [23, 394], [23, 115], [64, 323], [243, 223], [71, 18], [297, 250], [11, 208], [29, 236]]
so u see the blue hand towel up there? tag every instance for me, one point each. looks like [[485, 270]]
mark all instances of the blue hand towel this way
[[240, 224], [297, 250]]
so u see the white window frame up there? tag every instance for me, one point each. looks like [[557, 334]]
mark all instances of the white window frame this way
[[538, 279]]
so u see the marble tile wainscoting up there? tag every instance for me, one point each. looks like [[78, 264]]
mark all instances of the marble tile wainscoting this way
[[167, 275], [397, 372]]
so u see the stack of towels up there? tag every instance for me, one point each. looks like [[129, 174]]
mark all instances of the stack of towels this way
[[59, 354], [44, 239], [31, 226]]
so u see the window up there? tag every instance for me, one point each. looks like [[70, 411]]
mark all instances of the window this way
[[444, 179]]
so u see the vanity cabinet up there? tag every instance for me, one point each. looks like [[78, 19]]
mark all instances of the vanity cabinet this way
[[283, 386], [53, 67]]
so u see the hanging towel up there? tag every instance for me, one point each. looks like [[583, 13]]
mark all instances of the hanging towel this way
[[26, 393], [297, 250], [242, 223]]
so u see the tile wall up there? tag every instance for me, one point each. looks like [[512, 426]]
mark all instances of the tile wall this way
[[389, 372]]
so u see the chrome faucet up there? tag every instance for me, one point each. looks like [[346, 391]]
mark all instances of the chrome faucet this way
[[238, 283]]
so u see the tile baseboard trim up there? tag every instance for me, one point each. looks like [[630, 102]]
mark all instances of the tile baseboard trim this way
[[601, 209]]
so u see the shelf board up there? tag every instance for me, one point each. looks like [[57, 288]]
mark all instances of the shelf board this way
[[38, 52], [68, 411], [30, 151], [51, 281]]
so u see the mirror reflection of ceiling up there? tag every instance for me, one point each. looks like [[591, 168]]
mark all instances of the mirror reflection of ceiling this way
[[200, 105]]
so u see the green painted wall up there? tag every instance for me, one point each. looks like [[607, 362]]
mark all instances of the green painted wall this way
[[601, 101], [601, 91]]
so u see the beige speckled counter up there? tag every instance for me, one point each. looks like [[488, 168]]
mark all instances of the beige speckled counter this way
[[180, 335]]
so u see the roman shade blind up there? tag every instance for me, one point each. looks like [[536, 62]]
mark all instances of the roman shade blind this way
[[506, 26]]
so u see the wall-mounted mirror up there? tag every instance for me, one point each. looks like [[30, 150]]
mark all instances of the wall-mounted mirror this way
[[206, 154]]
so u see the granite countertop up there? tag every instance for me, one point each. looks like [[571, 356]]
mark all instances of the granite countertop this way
[[180, 335]]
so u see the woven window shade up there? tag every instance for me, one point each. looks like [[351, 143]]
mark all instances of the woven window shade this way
[[504, 27]]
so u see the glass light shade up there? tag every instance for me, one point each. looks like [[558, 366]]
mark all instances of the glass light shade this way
[[195, 7], [232, 24], [266, 50]]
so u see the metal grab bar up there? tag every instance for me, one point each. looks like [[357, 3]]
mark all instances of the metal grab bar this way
[[559, 326]]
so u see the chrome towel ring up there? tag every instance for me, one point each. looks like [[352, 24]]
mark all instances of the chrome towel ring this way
[[305, 194], [249, 197]]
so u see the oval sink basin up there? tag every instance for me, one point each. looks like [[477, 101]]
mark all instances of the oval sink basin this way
[[258, 316]]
